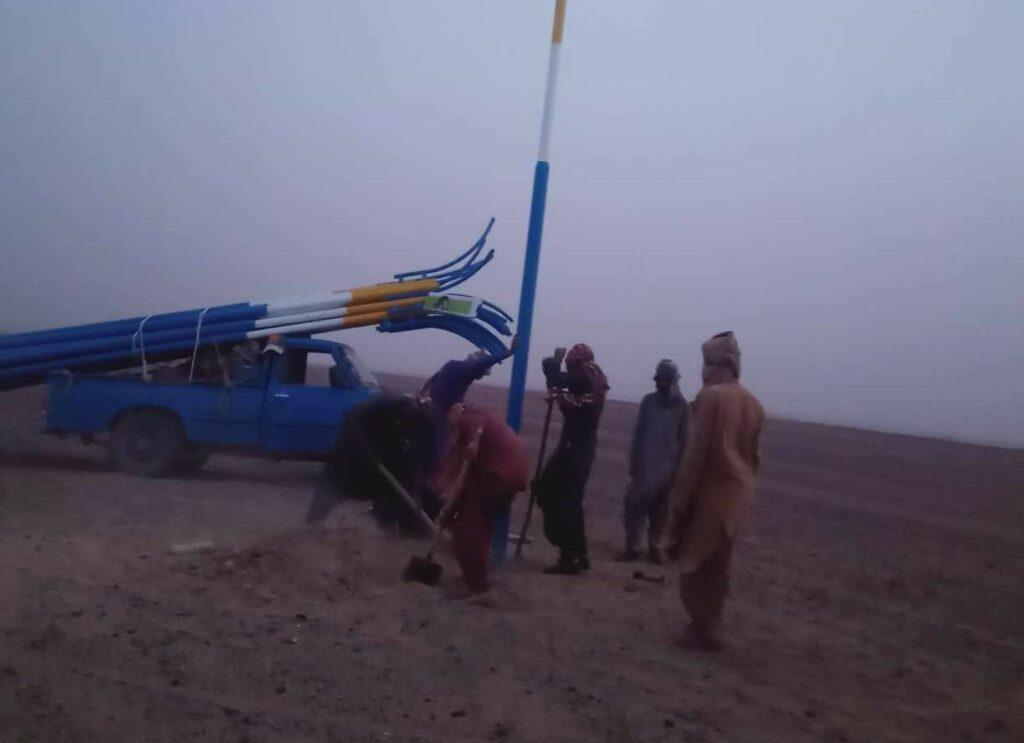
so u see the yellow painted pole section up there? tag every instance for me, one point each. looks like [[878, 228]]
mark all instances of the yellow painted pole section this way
[[365, 294], [361, 321], [559, 25], [365, 309]]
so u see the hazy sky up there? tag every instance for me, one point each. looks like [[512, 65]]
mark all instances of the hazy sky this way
[[841, 183]]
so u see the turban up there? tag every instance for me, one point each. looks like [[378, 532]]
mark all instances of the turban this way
[[582, 357], [722, 350]]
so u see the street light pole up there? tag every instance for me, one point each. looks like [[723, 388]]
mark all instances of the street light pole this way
[[534, 234]]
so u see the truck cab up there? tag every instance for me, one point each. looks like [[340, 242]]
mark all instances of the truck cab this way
[[287, 404]]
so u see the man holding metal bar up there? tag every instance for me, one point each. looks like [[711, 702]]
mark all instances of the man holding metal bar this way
[[580, 393]]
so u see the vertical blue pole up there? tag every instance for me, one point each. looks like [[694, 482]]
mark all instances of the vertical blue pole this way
[[524, 325], [524, 320], [527, 295]]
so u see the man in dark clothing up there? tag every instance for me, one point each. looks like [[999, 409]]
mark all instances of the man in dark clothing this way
[[445, 389], [396, 432], [580, 393], [450, 383], [658, 441]]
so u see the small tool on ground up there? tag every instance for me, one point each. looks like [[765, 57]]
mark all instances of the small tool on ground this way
[[191, 548], [641, 575]]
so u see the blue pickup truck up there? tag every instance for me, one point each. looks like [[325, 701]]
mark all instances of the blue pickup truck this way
[[270, 406]]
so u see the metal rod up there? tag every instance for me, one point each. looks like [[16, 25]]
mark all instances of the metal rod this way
[[477, 246], [536, 476]]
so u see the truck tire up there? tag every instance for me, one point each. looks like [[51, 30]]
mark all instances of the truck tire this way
[[146, 442], [190, 461]]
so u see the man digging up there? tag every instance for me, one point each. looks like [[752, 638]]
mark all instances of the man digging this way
[[486, 465]]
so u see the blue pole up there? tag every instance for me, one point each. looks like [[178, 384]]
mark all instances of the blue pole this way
[[524, 327], [528, 293]]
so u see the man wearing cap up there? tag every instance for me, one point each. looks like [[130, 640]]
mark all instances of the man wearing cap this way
[[713, 489], [659, 438]]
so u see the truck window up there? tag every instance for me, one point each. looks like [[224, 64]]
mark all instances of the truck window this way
[[293, 366], [247, 373], [245, 364], [343, 377], [318, 372], [365, 376]]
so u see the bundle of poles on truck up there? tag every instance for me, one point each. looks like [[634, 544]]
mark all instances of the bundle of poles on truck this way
[[413, 300]]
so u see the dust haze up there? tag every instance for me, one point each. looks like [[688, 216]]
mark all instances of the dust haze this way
[[839, 183]]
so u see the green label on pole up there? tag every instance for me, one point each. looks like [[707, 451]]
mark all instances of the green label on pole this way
[[461, 306]]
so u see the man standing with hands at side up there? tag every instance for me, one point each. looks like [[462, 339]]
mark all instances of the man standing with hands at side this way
[[658, 442], [714, 489]]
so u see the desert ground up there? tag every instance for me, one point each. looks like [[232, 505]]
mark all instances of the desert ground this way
[[878, 596]]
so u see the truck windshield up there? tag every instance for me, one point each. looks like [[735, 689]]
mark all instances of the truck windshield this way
[[366, 377]]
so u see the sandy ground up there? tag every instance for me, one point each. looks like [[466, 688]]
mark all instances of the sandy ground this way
[[879, 596]]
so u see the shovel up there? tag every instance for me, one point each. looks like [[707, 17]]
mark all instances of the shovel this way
[[409, 501], [423, 569]]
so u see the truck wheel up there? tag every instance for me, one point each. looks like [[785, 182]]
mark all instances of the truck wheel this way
[[190, 461], [146, 442]]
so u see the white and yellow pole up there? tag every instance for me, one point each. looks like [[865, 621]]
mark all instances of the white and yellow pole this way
[[528, 293], [534, 233]]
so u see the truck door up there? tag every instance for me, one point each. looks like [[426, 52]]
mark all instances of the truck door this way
[[305, 415], [228, 414]]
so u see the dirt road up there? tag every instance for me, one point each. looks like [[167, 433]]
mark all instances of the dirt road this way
[[879, 596]]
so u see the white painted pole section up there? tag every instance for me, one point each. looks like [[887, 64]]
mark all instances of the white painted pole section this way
[[308, 327], [549, 102], [363, 295], [269, 322], [308, 303]]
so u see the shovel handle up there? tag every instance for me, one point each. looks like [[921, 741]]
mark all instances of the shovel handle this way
[[437, 536], [400, 489], [450, 505]]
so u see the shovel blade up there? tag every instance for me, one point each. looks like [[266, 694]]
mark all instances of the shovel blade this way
[[422, 570]]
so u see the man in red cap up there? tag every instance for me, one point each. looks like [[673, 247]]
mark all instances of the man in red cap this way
[[580, 393], [714, 488]]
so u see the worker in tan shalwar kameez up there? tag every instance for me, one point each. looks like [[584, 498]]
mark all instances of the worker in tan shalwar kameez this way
[[713, 489]]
